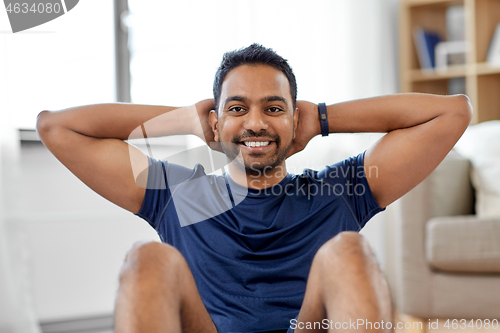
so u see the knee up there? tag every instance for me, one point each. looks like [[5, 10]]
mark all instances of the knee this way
[[146, 257], [347, 246]]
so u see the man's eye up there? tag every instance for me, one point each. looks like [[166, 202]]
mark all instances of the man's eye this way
[[274, 109], [236, 109]]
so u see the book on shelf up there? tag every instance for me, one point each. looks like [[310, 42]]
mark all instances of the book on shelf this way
[[425, 42], [494, 50]]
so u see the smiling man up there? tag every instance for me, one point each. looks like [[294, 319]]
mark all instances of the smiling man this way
[[256, 249], [259, 141]]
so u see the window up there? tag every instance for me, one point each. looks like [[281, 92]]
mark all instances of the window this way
[[63, 63]]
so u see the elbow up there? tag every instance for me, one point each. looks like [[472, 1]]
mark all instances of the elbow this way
[[44, 124], [41, 122], [462, 108], [458, 115]]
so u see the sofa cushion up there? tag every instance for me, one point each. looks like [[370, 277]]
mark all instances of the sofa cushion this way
[[481, 144], [463, 244]]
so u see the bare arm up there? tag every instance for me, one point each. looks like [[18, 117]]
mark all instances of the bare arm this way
[[421, 130], [89, 141]]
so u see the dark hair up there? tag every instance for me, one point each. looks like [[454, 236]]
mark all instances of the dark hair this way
[[253, 54]]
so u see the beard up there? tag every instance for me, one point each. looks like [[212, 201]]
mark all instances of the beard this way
[[233, 152]]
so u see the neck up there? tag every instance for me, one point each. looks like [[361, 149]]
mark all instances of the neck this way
[[259, 179]]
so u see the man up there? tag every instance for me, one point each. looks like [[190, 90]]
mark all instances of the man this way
[[256, 249]]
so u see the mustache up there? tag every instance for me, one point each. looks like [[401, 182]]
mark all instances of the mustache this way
[[261, 134]]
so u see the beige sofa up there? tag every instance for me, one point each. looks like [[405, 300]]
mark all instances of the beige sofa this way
[[447, 260]]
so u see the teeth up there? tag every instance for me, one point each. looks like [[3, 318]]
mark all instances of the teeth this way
[[256, 144]]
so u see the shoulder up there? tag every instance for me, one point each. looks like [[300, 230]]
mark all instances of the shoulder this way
[[174, 174], [352, 167]]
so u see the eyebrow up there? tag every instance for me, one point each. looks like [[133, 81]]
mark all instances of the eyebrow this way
[[236, 98], [246, 100], [274, 99]]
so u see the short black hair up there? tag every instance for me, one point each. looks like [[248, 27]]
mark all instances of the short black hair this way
[[253, 54]]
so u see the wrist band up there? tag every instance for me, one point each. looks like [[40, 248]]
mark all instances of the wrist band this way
[[323, 118]]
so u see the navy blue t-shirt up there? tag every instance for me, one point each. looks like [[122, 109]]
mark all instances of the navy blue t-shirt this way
[[250, 250]]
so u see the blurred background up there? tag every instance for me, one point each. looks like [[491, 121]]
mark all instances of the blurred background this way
[[61, 245]]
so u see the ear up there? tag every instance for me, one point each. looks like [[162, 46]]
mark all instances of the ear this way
[[295, 121], [214, 123]]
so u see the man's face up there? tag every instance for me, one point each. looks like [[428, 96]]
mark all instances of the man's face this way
[[255, 117]]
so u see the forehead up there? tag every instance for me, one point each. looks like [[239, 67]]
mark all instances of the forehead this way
[[255, 82]]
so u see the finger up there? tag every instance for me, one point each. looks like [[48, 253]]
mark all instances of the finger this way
[[207, 105]]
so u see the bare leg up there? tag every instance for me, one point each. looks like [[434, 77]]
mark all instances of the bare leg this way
[[158, 293], [345, 284]]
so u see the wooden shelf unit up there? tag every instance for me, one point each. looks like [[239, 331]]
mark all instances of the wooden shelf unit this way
[[482, 80]]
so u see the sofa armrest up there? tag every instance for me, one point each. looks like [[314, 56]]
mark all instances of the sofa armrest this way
[[447, 191]]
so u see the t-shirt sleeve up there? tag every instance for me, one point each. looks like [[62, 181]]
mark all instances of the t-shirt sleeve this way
[[165, 178], [157, 193], [349, 181]]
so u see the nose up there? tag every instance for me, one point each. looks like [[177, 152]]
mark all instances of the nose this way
[[255, 120]]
